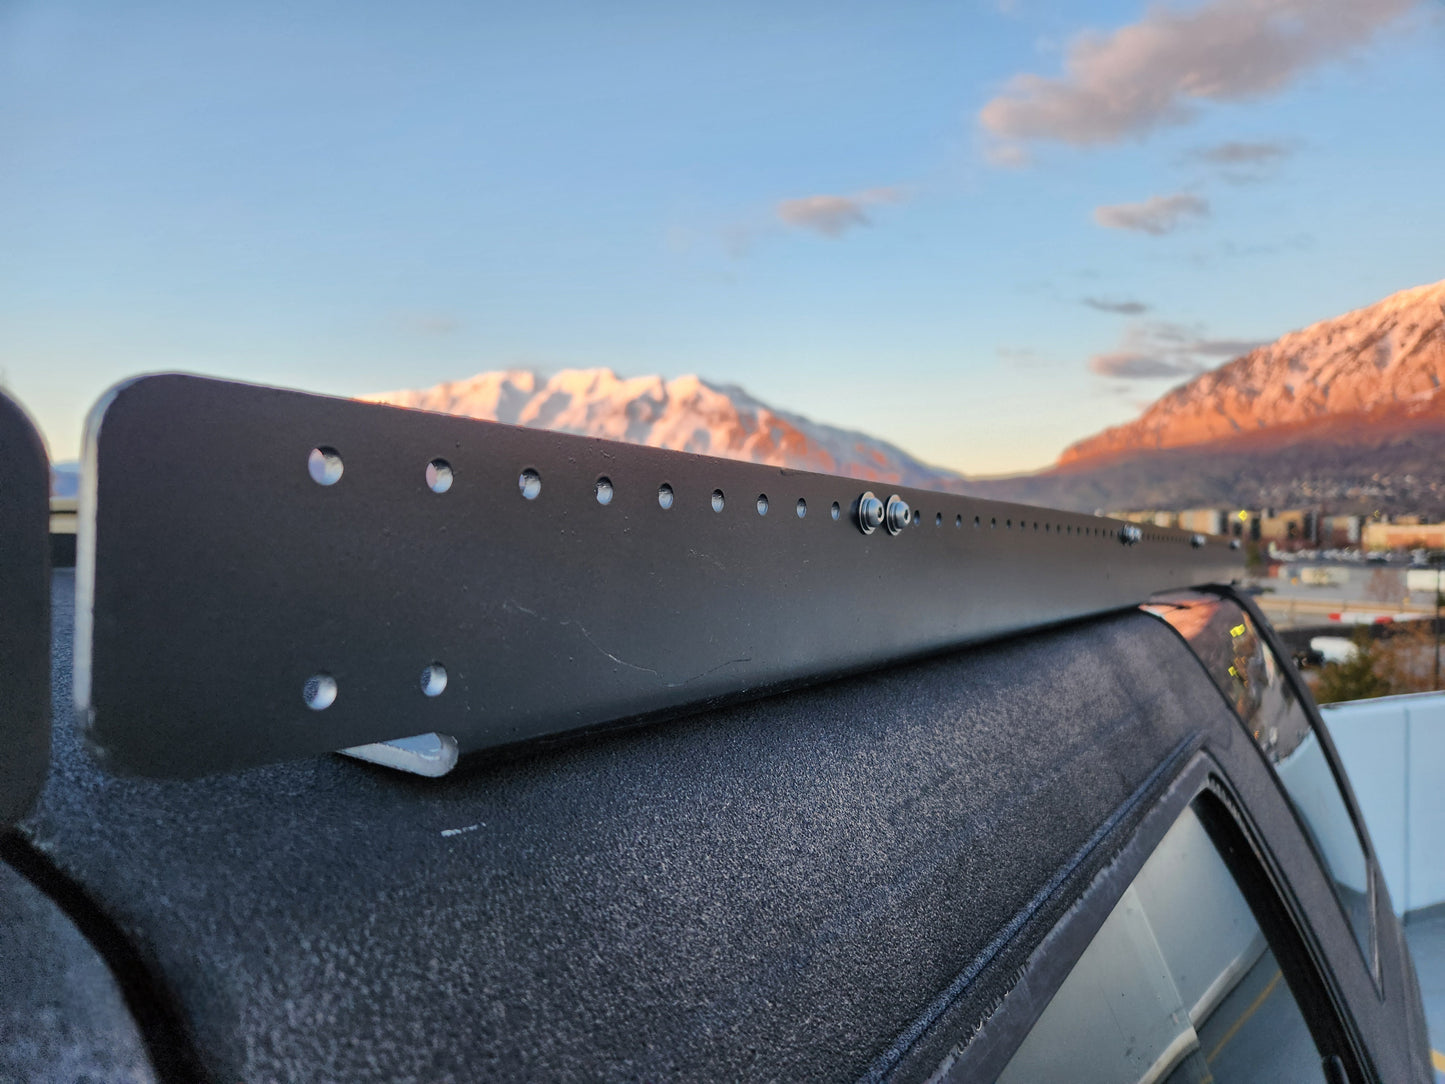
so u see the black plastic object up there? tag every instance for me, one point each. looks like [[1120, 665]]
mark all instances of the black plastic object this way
[[24, 612], [266, 574]]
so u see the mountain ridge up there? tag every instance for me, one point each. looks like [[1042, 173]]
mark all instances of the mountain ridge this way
[[1347, 413], [687, 414], [1352, 371]]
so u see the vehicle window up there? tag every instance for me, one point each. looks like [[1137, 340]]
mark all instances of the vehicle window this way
[[1249, 674], [1179, 985]]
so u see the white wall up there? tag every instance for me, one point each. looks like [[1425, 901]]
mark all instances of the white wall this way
[[1393, 750]]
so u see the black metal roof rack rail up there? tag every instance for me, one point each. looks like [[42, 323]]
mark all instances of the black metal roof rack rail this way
[[24, 612], [265, 574]]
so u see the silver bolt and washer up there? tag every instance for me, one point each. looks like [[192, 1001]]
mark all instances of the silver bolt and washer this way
[[870, 513], [899, 515]]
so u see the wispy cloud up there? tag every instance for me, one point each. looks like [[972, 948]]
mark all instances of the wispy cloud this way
[[1154, 72], [1008, 155], [1295, 242], [1242, 153], [738, 239], [1022, 357], [1127, 366], [1122, 308], [1157, 215], [1224, 348], [430, 323], [1241, 161], [1157, 349], [833, 216]]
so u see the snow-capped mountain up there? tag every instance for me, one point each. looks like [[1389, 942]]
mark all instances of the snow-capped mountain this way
[[1347, 414], [1382, 365], [687, 414]]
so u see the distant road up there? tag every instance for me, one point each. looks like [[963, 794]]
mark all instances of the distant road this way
[[1368, 592]]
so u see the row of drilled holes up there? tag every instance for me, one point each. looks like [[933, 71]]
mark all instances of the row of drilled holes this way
[[320, 690], [326, 467]]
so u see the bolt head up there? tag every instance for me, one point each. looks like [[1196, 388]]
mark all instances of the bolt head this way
[[899, 514], [870, 513]]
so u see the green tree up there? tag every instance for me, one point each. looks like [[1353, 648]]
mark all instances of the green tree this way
[[1356, 678], [1254, 562]]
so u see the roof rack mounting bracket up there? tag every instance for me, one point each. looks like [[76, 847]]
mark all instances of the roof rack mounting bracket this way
[[266, 574]]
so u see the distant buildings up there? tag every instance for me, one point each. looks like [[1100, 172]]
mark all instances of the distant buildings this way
[[1203, 520], [1337, 532], [1404, 536], [1299, 528], [1295, 525]]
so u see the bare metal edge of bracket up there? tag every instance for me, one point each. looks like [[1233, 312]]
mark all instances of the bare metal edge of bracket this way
[[431, 755]]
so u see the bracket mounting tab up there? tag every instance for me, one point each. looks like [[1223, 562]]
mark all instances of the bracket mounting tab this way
[[24, 612]]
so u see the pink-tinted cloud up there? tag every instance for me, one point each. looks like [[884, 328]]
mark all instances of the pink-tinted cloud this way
[[1008, 155], [1127, 366], [1157, 215], [431, 323], [1120, 307], [1237, 153], [1225, 348], [833, 216], [1152, 350], [1154, 72]]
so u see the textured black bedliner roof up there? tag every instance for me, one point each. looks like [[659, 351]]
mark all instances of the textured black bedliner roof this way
[[61, 1014], [791, 888]]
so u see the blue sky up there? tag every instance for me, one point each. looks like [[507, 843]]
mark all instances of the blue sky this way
[[980, 230]]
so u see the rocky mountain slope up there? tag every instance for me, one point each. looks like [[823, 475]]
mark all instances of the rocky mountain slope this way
[[1343, 377], [1380, 469], [1346, 414], [687, 414]]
